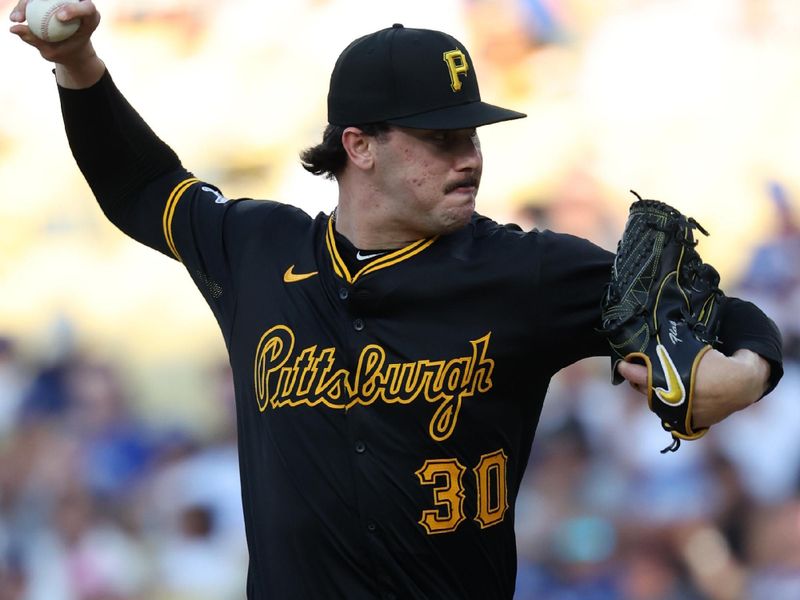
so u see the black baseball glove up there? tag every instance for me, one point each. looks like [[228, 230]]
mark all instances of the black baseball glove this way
[[661, 309]]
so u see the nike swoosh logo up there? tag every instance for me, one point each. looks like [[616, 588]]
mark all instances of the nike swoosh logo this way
[[360, 256], [675, 394], [291, 277]]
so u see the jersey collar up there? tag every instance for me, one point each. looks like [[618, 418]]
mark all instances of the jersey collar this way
[[387, 260]]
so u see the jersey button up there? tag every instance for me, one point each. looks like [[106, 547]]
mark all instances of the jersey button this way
[[372, 527], [343, 293], [358, 324], [361, 447]]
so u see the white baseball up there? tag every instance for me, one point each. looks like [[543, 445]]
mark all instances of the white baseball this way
[[42, 20]]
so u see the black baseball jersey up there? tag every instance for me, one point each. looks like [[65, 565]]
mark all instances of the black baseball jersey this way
[[385, 409]]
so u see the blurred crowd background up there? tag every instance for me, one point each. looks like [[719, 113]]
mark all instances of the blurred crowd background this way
[[118, 468]]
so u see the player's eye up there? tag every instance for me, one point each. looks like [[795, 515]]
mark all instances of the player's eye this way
[[450, 138]]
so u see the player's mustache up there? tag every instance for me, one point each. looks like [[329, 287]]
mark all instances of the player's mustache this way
[[466, 182]]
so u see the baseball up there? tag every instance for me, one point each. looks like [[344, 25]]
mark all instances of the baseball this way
[[42, 20]]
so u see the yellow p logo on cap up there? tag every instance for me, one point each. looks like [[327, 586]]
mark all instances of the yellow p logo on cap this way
[[456, 64]]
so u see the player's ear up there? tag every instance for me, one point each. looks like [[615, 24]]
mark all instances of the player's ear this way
[[359, 147]]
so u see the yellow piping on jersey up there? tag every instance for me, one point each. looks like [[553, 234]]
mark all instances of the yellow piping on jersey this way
[[387, 260], [169, 213], [338, 264]]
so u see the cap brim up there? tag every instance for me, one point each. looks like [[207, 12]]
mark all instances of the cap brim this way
[[463, 116]]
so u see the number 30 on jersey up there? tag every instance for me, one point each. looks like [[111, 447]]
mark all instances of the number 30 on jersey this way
[[446, 478]]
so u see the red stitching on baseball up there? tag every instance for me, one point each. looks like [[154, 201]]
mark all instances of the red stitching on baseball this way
[[45, 25]]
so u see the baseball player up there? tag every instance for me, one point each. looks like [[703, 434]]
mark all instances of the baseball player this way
[[390, 359]]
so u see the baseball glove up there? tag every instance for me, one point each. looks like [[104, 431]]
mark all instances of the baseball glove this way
[[661, 309]]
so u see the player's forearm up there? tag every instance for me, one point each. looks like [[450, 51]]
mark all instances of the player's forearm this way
[[727, 384], [115, 149], [746, 327], [82, 71], [757, 372]]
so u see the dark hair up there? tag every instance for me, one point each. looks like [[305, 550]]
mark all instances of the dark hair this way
[[329, 157]]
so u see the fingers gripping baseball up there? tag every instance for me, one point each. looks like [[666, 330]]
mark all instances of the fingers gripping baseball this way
[[72, 49]]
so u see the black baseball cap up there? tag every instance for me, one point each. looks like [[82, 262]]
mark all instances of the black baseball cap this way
[[416, 78]]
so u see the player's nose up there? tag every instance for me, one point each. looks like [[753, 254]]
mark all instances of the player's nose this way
[[468, 154]]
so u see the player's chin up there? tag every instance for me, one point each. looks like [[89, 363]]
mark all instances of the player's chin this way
[[458, 214]]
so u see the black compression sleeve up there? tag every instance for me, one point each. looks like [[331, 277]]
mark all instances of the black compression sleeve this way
[[115, 149], [744, 325]]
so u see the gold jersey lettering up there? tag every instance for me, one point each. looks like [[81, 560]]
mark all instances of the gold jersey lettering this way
[[456, 65], [284, 377]]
